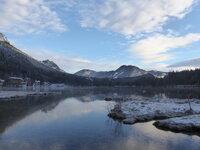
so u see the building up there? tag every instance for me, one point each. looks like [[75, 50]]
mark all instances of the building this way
[[15, 82], [36, 83], [46, 84], [28, 81], [1, 82]]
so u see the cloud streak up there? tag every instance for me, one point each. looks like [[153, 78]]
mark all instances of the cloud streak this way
[[192, 63]]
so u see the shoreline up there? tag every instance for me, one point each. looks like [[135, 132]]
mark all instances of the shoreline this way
[[9, 95], [170, 114]]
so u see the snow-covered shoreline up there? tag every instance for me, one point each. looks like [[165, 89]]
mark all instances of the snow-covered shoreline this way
[[189, 123], [18, 94], [141, 109]]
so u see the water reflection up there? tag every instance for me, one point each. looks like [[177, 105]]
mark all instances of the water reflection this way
[[77, 120], [99, 93]]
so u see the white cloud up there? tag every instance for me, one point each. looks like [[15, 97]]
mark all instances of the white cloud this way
[[71, 65], [158, 67], [156, 48], [28, 17], [130, 17]]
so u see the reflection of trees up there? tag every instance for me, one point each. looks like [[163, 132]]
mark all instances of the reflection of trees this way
[[50, 107], [123, 92], [116, 127], [13, 111]]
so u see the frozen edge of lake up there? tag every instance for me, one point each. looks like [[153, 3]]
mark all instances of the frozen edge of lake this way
[[141, 109], [18, 94], [189, 123]]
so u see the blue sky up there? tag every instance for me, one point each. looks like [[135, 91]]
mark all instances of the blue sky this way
[[104, 34]]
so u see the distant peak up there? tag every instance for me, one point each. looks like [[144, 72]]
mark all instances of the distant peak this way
[[3, 38], [127, 67], [47, 60], [51, 64], [87, 70]]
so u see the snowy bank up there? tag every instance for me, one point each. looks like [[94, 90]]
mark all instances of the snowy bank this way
[[17, 94], [141, 109], [189, 123]]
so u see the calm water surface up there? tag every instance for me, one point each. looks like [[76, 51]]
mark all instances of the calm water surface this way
[[77, 120]]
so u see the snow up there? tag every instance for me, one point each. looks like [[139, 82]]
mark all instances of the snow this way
[[2, 38], [15, 78], [140, 109], [121, 72], [10, 51], [190, 123], [15, 94], [52, 65]]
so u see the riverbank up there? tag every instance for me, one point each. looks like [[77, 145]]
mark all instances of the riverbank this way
[[6, 95], [142, 109], [189, 123]]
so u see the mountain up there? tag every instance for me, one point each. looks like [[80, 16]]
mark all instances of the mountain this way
[[3, 38], [51, 64], [128, 71], [85, 73], [158, 74], [14, 62], [125, 71]]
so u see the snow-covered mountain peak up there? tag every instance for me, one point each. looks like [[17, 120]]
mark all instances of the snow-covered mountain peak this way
[[124, 71], [3, 38], [127, 67], [85, 73], [51, 64]]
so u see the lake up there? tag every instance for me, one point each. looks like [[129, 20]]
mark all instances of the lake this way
[[77, 120]]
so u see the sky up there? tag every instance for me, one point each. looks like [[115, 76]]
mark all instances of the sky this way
[[105, 34]]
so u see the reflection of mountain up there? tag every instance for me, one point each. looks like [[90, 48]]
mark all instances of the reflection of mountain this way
[[100, 93], [14, 111], [14, 62]]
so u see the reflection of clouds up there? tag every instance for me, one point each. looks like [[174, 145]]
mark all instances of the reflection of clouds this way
[[85, 99], [145, 136], [30, 145], [195, 137], [138, 144], [69, 108], [133, 137], [149, 133], [149, 130]]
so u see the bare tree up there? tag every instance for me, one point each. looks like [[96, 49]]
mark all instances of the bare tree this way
[[189, 102]]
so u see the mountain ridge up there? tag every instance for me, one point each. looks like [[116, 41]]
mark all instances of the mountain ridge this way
[[123, 71], [14, 62], [52, 64]]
